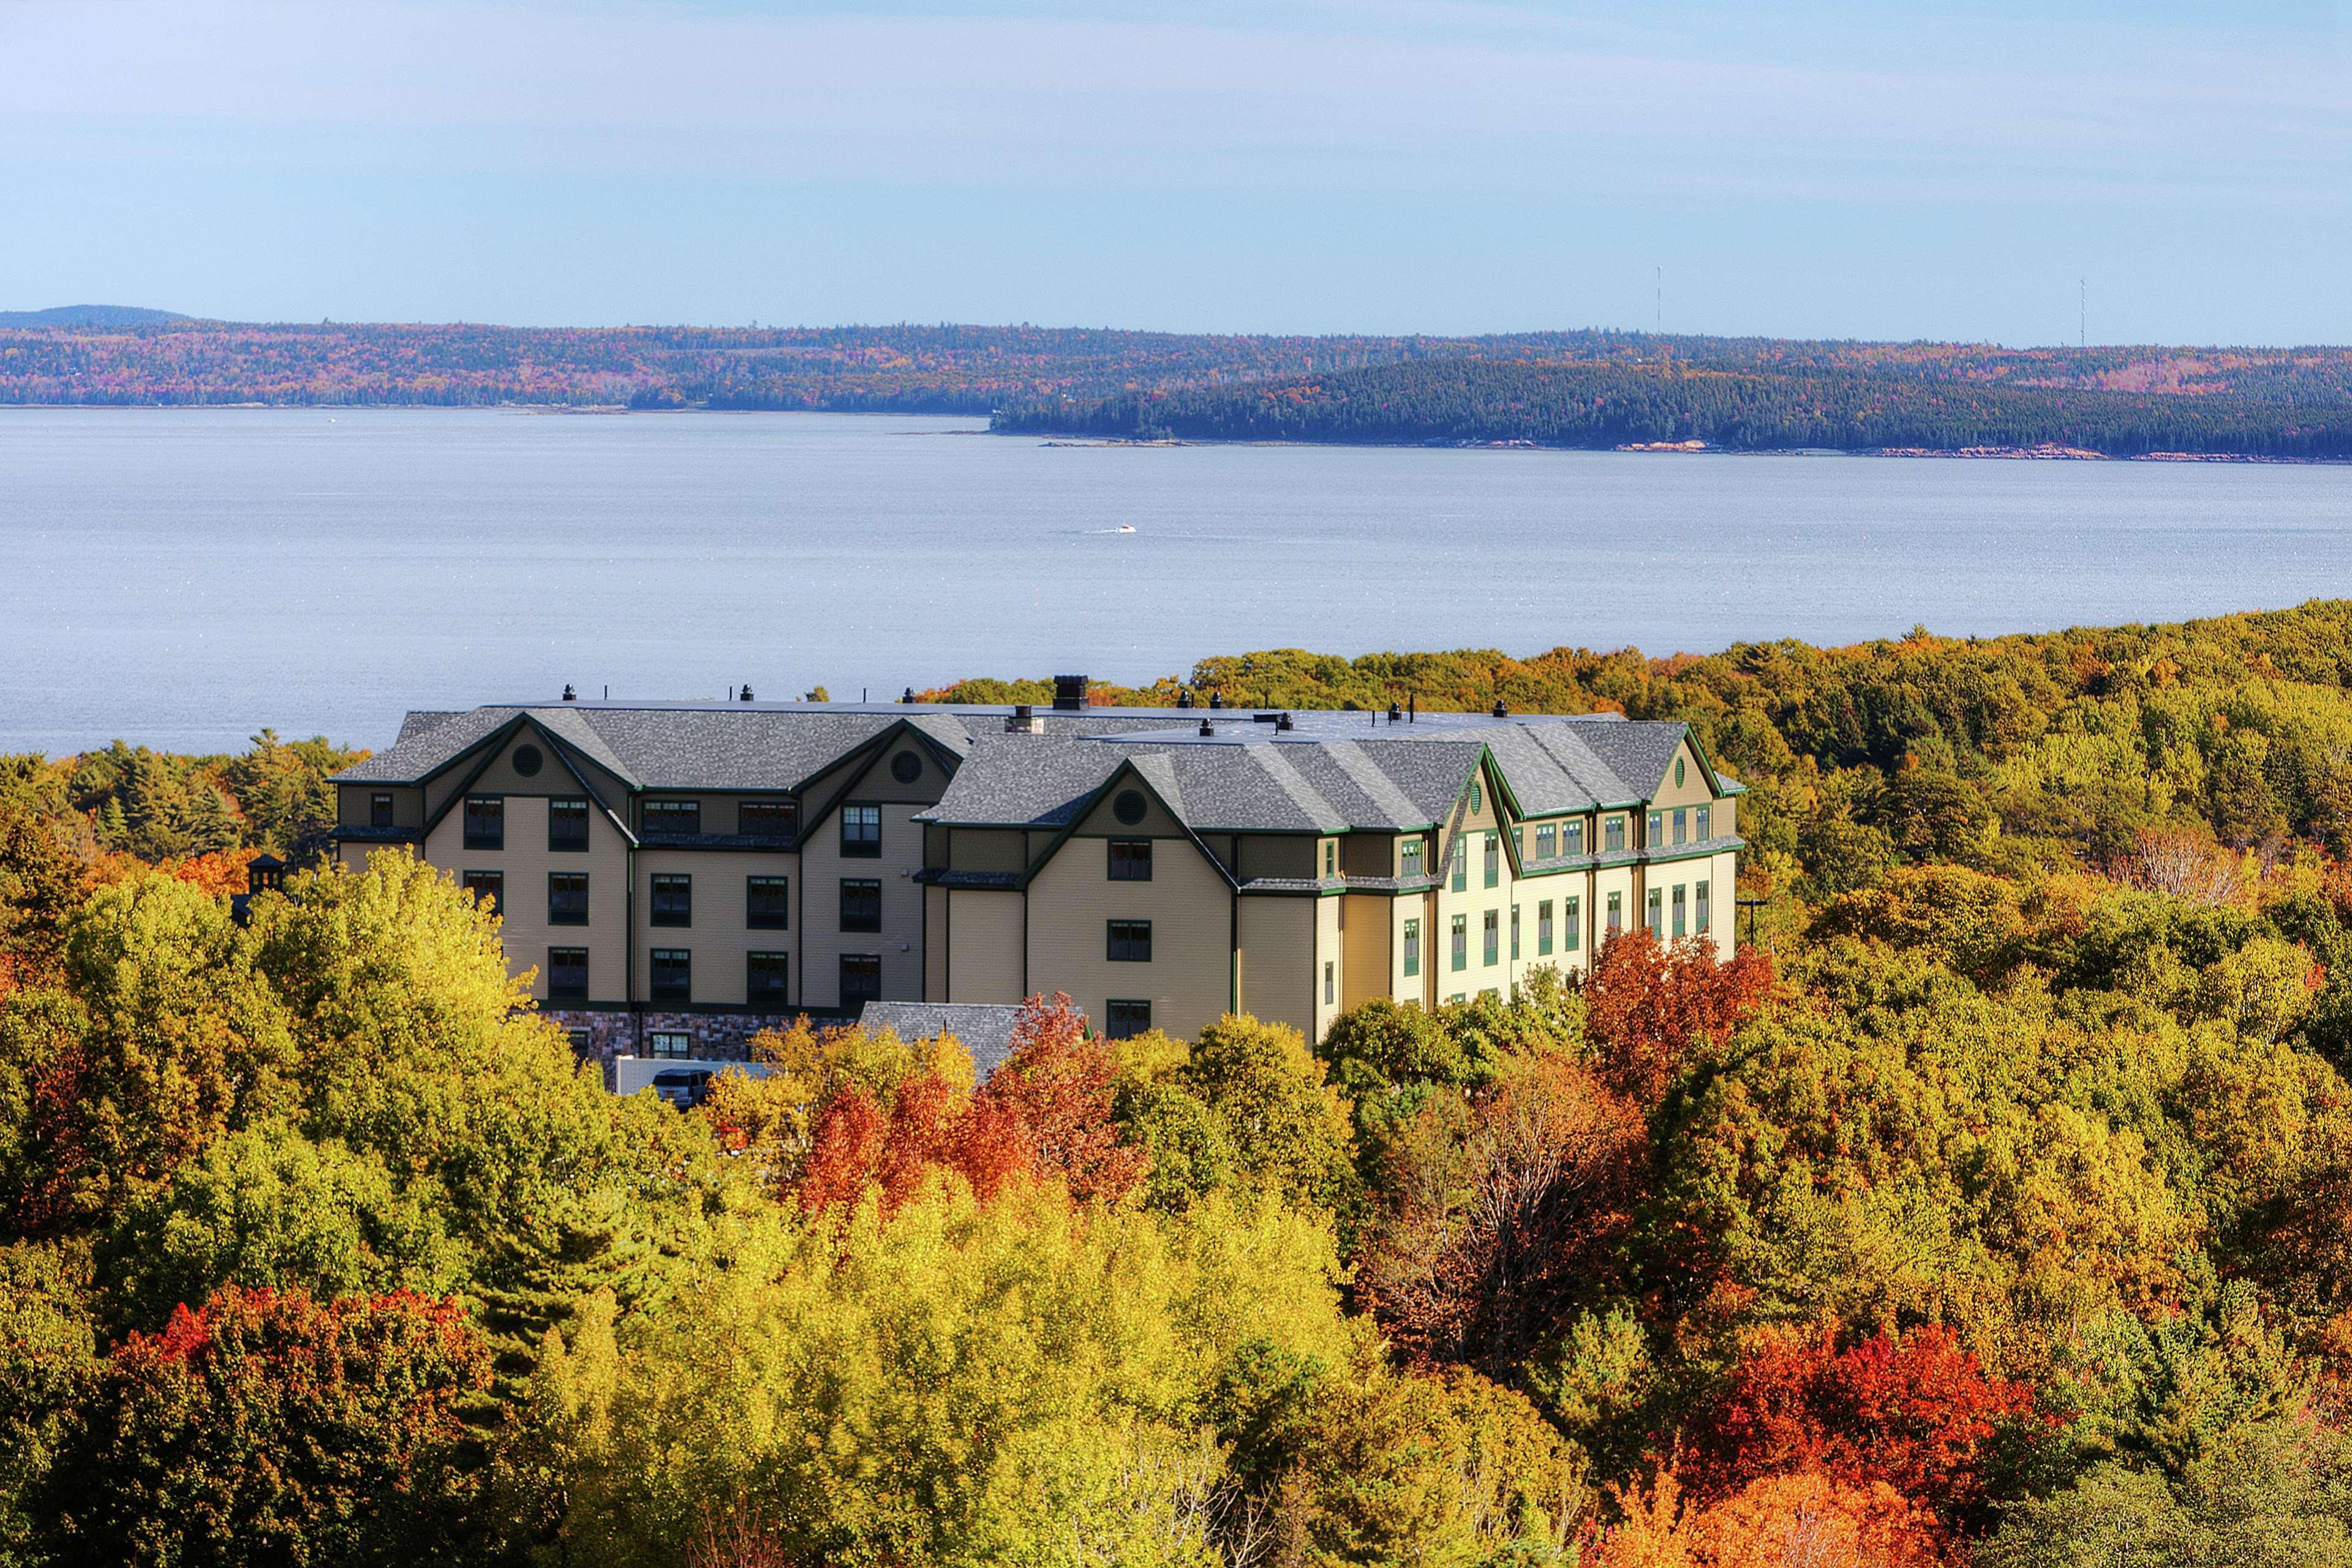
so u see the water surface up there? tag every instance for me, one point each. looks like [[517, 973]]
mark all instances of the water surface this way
[[183, 577]]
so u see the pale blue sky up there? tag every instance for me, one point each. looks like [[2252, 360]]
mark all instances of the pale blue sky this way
[[1898, 171]]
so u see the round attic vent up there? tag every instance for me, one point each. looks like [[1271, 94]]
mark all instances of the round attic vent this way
[[527, 761], [905, 767], [1128, 806]]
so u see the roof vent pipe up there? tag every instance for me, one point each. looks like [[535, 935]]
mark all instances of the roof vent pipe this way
[[1216, 699], [1395, 712], [1282, 721], [1412, 707], [1207, 728], [747, 695], [1502, 708], [909, 697], [568, 694]]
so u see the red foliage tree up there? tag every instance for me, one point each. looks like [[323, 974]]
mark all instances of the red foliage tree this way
[[1051, 1098], [1046, 1111], [303, 1431], [1912, 1412], [1647, 1004]]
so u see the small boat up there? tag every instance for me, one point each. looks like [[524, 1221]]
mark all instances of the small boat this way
[[1124, 528]]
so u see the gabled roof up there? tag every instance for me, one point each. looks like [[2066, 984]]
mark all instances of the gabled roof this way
[[662, 748]]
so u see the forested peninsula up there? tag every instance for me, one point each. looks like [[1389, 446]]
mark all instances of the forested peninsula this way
[[1583, 388], [1987, 1209]]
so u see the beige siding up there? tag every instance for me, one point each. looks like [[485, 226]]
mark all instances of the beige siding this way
[[1071, 900], [1156, 822], [1330, 949], [1277, 959], [526, 861], [1420, 987], [983, 946], [719, 937], [901, 940]]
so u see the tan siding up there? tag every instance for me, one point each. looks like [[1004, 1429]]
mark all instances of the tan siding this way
[[526, 861], [1156, 823], [1369, 855], [1693, 790], [935, 944], [1370, 934], [983, 849], [983, 936], [1278, 957], [355, 805], [719, 939], [1072, 898], [1291, 856]]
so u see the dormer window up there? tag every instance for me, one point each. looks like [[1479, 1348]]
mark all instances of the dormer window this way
[[672, 817], [767, 818], [1412, 863]]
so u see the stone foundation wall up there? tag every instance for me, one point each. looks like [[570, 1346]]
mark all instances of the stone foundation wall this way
[[724, 1036]]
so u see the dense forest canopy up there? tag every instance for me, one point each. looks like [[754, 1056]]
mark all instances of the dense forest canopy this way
[[1987, 1209], [1578, 388], [1606, 403]]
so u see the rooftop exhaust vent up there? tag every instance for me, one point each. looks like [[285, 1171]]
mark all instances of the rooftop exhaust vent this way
[[1069, 693]]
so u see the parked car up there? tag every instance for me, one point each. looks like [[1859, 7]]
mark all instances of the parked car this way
[[683, 1087]]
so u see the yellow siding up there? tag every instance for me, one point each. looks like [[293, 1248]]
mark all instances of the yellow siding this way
[[1071, 900], [1330, 949], [526, 861]]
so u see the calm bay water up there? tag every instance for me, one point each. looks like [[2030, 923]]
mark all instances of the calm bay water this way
[[183, 578]]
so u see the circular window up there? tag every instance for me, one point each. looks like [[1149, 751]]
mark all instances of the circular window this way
[[905, 767], [1128, 806], [526, 760]]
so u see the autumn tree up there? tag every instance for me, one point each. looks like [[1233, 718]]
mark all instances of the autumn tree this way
[[1498, 1212], [269, 1427], [1648, 1004]]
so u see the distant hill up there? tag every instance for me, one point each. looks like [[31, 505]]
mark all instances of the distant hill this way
[[1582, 388], [88, 316]]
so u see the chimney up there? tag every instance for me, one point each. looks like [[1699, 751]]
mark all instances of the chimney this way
[[1069, 693], [1282, 721], [1025, 722]]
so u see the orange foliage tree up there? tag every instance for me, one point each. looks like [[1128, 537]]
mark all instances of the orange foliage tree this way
[[1046, 1113], [1801, 1520], [1648, 1004], [1913, 1413]]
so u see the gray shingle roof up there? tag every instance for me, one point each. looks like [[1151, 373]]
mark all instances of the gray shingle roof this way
[[663, 748], [1332, 771], [984, 1027]]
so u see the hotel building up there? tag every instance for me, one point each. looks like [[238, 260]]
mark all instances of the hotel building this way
[[678, 876]]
